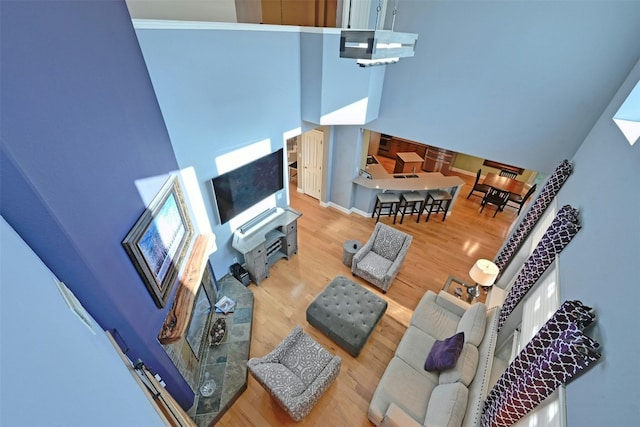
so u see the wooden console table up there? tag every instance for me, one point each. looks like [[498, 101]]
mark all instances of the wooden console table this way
[[267, 242]]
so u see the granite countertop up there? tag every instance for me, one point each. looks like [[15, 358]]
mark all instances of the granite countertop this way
[[383, 180]]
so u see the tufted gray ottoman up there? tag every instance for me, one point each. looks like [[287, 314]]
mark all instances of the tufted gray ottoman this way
[[347, 313]]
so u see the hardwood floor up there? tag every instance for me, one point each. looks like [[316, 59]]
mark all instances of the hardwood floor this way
[[439, 249]]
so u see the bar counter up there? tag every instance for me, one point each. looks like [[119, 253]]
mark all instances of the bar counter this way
[[382, 181]]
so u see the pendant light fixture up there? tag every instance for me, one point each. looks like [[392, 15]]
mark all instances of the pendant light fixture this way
[[377, 47]]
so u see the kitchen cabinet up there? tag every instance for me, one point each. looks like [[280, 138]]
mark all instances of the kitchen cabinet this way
[[438, 160], [384, 145], [390, 146], [433, 159]]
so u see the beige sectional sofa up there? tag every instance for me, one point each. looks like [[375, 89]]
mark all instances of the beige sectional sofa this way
[[408, 395]]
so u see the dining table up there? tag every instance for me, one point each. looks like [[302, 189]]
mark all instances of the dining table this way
[[503, 183]]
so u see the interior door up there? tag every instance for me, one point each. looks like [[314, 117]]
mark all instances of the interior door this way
[[312, 150]]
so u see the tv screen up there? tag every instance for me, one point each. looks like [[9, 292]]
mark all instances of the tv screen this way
[[241, 188]]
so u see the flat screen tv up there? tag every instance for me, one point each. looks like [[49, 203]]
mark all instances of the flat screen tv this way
[[241, 188]]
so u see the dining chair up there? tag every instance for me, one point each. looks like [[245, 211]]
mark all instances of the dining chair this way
[[480, 188], [508, 174], [498, 198], [519, 200]]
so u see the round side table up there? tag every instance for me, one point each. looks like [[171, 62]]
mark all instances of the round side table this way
[[350, 248]]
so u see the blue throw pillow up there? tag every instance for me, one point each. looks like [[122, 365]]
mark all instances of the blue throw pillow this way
[[444, 354]]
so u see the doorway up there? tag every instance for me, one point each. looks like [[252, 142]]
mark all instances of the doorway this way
[[312, 158], [292, 159]]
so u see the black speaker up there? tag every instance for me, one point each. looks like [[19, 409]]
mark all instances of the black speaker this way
[[240, 274]]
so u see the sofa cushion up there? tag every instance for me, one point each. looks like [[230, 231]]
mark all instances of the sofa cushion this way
[[444, 353], [452, 303], [298, 356], [396, 417], [281, 380], [472, 323], [413, 348], [434, 319], [465, 369], [404, 386], [447, 406], [374, 265], [479, 387]]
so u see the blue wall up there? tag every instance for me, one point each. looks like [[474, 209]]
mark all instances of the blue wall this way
[[600, 268], [520, 82], [48, 354], [345, 83], [80, 124], [332, 86], [215, 102], [346, 152], [311, 84]]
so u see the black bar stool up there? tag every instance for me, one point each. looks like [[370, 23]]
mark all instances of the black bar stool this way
[[437, 201], [411, 203], [388, 201]]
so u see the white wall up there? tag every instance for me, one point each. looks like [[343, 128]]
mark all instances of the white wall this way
[[55, 371], [600, 268], [215, 102], [521, 82]]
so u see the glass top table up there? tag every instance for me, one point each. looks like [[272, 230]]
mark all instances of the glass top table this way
[[465, 291]]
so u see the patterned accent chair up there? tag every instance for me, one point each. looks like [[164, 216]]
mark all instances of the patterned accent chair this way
[[380, 259], [296, 373]]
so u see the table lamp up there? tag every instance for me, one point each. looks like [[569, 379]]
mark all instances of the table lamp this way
[[484, 273]]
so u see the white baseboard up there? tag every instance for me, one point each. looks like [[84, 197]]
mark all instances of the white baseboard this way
[[463, 171], [338, 207], [345, 210], [361, 213]]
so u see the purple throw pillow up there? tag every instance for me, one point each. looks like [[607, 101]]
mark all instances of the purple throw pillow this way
[[444, 354]]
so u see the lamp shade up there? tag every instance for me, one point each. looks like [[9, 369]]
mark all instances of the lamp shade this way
[[484, 272]]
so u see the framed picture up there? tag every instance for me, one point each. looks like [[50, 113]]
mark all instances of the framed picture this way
[[76, 307], [159, 240]]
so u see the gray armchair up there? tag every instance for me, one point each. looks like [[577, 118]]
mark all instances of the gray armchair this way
[[296, 373], [379, 260]]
